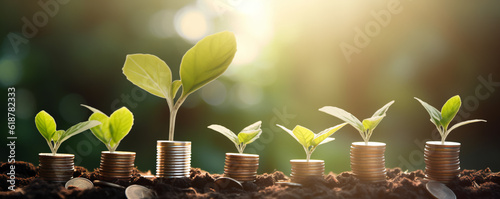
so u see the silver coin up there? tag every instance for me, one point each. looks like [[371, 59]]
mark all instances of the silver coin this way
[[137, 191], [107, 184], [439, 190], [226, 183], [81, 183]]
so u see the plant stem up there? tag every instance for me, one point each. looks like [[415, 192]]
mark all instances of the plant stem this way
[[173, 114]]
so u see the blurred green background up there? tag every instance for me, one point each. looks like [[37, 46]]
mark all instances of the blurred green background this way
[[290, 63]]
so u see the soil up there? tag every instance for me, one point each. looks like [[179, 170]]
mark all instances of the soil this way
[[200, 184]]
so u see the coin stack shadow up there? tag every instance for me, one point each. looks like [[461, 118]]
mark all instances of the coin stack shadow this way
[[56, 168], [116, 165], [241, 167], [303, 169], [442, 161], [368, 161], [173, 159]]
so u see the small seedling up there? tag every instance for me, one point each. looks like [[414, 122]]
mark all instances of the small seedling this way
[[246, 136], [364, 128], [201, 64], [443, 119], [310, 140], [46, 125], [113, 128]]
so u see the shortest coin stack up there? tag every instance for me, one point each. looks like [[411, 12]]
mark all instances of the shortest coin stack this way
[[368, 161], [56, 168], [241, 167], [116, 165], [442, 162], [303, 169], [173, 159]]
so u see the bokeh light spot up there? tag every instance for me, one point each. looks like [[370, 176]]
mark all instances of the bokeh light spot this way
[[191, 23], [10, 72]]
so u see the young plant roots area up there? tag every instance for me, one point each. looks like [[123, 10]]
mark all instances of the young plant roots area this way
[[470, 184]]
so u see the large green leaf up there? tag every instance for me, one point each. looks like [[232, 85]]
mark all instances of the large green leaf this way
[[304, 135], [383, 110], [345, 116], [449, 110], [323, 135], [206, 61], [101, 131], [45, 124], [120, 124], [247, 137], [433, 112], [78, 128], [372, 123], [149, 73], [226, 132]]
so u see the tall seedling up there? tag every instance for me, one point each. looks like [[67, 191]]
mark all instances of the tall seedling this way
[[201, 64]]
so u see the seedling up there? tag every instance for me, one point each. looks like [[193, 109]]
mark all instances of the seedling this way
[[246, 136], [201, 64], [364, 128], [113, 128], [443, 119], [310, 140], [46, 125]]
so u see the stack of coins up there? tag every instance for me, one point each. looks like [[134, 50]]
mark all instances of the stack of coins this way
[[116, 165], [56, 168], [368, 161], [241, 167], [173, 159], [442, 161], [303, 169]]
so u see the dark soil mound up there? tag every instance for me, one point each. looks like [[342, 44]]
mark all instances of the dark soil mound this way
[[200, 184]]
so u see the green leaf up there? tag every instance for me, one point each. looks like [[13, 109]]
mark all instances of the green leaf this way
[[45, 124], [101, 131], [78, 128], [464, 123], [321, 137], [175, 88], [345, 116], [433, 112], [120, 124], [254, 126], [290, 132], [57, 135], [149, 73], [383, 110], [247, 137], [206, 61], [372, 122], [226, 132], [449, 110], [303, 135]]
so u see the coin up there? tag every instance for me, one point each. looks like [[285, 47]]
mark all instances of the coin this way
[[56, 168], [81, 183], [107, 184], [116, 165], [137, 191], [442, 160], [439, 190], [368, 161], [173, 159], [241, 167], [303, 169], [227, 183]]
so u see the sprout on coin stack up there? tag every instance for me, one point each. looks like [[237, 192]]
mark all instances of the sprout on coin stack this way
[[442, 161], [240, 166], [302, 169], [57, 167], [367, 158], [114, 164], [200, 65]]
